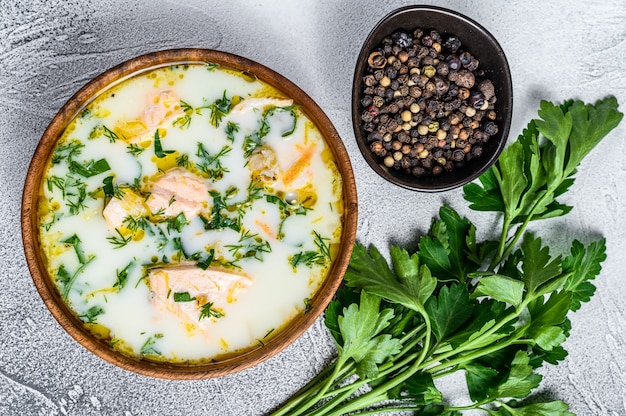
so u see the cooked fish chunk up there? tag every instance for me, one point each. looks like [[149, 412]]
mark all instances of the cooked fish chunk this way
[[185, 289], [119, 209], [162, 108], [263, 164], [176, 191]]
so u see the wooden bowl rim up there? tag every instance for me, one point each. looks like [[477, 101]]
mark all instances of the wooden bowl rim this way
[[33, 182]]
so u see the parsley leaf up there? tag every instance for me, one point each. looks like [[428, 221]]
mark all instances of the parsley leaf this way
[[363, 341], [91, 168], [449, 310], [75, 242], [92, 314], [183, 297], [158, 148], [520, 380], [531, 173], [581, 266], [537, 266], [370, 271]]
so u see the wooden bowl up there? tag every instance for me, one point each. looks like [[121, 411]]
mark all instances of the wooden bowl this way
[[33, 185], [480, 43]]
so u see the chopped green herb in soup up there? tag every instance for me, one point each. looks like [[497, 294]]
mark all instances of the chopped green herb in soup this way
[[188, 213]]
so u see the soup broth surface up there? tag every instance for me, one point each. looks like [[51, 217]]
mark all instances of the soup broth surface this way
[[189, 213]]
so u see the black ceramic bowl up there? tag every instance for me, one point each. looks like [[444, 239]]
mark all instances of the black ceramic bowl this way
[[476, 40]]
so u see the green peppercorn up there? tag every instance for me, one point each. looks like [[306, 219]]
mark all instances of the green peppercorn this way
[[433, 127], [429, 71]]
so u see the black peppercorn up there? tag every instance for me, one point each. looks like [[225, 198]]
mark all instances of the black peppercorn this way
[[402, 39], [458, 155], [442, 69], [476, 99], [378, 149], [391, 72], [427, 41], [428, 61], [466, 79], [491, 128], [452, 44], [465, 58], [473, 65], [441, 86], [476, 151], [422, 52], [487, 89], [453, 62]]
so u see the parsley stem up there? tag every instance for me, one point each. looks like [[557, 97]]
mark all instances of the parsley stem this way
[[331, 404], [304, 394], [380, 392], [405, 408], [413, 339], [472, 406], [470, 345], [502, 245], [504, 252], [473, 355], [336, 391], [319, 391]]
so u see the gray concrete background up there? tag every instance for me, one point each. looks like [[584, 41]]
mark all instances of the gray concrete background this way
[[49, 48]]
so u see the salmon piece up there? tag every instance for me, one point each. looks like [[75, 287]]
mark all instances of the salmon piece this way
[[117, 210], [215, 286], [161, 109], [176, 191], [164, 107]]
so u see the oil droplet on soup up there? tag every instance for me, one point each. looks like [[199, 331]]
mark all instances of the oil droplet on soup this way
[[189, 213]]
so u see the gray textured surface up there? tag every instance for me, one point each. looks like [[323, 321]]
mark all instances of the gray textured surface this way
[[48, 49]]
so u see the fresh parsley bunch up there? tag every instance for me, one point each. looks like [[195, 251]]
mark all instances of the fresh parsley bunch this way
[[495, 310]]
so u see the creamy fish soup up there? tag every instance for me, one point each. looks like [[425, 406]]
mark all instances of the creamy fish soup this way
[[189, 212]]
